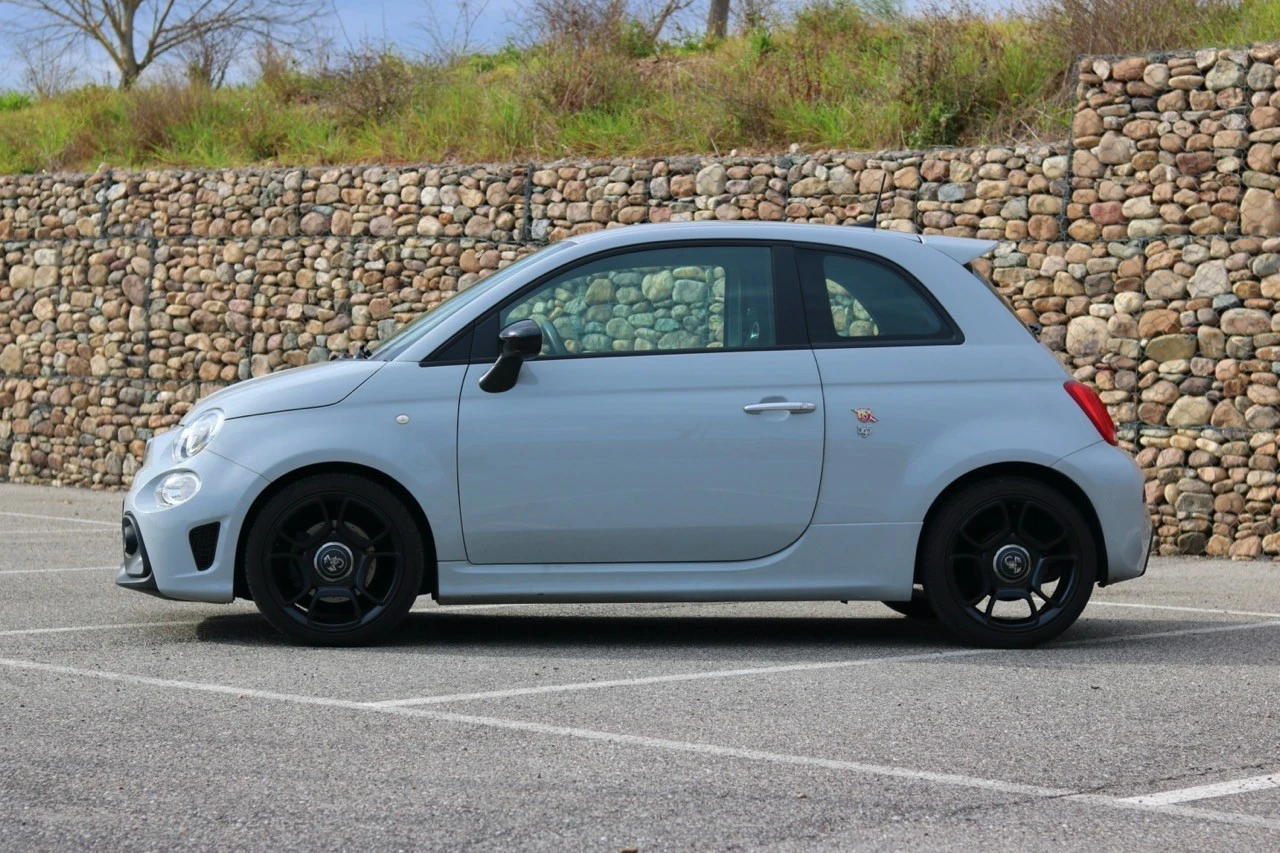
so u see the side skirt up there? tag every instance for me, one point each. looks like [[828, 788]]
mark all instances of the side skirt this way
[[829, 562]]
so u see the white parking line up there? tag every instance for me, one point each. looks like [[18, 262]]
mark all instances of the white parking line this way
[[1207, 792], [794, 667], [37, 531], [688, 747], [1178, 609], [114, 524], [16, 632], [667, 679], [58, 569]]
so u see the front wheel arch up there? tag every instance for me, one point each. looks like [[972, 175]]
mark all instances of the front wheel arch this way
[[1048, 476], [429, 575]]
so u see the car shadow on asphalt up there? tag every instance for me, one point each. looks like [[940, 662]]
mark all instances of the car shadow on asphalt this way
[[777, 638]]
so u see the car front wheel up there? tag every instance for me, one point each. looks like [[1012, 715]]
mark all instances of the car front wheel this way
[[1009, 562], [334, 559]]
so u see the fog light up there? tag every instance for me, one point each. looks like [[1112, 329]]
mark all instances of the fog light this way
[[177, 488]]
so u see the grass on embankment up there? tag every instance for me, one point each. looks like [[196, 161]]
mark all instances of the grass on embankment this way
[[833, 75]]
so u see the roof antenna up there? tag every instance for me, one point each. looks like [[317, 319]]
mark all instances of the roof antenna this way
[[875, 213]]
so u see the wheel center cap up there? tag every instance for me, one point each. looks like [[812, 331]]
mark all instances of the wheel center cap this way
[[334, 561], [1012, 563]]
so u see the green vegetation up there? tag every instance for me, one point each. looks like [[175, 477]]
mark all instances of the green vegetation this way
[[835, 74]]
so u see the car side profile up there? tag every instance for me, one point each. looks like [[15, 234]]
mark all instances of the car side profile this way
[[680, 412]]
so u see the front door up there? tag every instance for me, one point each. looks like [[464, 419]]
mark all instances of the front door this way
[[674, 415]]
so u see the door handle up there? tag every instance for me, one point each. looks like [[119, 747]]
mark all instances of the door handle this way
[[780, 406]]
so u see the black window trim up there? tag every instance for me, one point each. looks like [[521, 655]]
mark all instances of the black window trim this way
[[818, 304], [442, 356], [789, 318]]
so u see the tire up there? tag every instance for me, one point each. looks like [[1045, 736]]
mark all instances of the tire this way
[[917, 608], [1009, 563], [342, 535]]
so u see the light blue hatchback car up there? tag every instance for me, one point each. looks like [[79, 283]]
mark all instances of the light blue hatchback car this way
[[683, 412]]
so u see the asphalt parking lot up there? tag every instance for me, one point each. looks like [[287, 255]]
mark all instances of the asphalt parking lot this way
[[127, 722]]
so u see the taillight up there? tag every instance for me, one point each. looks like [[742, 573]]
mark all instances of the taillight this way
[[1089, 402]]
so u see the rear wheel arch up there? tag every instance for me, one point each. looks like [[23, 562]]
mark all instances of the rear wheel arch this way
[[1054, 479], [429, 574]]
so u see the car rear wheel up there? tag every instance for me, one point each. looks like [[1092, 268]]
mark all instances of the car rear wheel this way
[[334, 559], [1009, 562]]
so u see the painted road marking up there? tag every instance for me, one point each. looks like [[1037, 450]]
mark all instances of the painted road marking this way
[[1208, 792], [29, 532], [114, 524], [689, 747], [1178, 609], [793, 667], [68, 569], [17, 632]]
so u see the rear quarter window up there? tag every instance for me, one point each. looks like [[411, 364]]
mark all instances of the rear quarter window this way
[[853, 299]]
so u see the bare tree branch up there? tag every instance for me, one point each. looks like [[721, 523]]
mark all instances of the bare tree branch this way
[[660, 15], [161, 26], [48, 67], [446, 44]]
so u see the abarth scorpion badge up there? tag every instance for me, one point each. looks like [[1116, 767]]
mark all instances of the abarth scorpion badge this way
[[865, 419]]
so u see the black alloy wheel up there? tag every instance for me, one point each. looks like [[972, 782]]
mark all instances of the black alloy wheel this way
[[334, 559], [1009, 562]]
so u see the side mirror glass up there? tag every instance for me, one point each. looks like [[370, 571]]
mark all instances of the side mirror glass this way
[[519, 342]]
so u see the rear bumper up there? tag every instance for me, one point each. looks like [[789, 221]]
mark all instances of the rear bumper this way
[[1112, 482], [161, 556]]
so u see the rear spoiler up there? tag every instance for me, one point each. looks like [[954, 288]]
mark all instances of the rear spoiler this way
[[962, 250]]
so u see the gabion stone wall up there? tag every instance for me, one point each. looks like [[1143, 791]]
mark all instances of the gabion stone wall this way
[[1148, 246]]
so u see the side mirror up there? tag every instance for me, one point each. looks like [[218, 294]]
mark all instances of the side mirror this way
[[519, 342]]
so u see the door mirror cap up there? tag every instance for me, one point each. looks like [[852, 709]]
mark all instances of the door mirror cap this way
[[519, 342], [522, 338]]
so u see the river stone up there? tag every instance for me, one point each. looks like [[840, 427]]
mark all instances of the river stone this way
[[1210, 279], [600, 292], [1171, 348], [657, 287], [1190, 411], [1211, 341], [10, 360], [711, 180], [1224, 75], [1087, 336], [1158, 321], [1194, 503], [1115, 148], [1260, 212], [1246, 321], [690, 291], [1165, 284], [806, 187]]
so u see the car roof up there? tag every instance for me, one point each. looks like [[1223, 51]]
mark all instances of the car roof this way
[[960, 249]]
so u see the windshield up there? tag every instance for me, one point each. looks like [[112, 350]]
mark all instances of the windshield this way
[[399, 342]]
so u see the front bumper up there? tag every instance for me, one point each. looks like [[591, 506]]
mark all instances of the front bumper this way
[[1113, 484], [177, 552]]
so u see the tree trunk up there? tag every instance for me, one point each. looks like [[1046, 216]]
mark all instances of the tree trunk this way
[[129, 72], [128, 62], [718, 19]]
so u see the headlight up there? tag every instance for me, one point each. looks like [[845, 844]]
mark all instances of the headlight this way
[[197, 435], [179, 487]]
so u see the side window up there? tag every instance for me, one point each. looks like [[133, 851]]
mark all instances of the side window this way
[[685, 298], [853, 298]]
